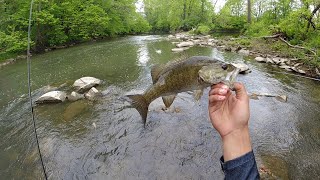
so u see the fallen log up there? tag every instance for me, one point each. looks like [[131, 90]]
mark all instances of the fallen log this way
[[297, 47]]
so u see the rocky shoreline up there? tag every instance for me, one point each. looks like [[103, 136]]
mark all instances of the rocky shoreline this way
[[184, 41]]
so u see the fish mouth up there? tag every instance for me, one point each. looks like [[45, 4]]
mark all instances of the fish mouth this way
[[231, 78]]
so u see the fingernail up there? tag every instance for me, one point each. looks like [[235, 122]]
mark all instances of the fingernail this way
[[222, 91], [225, 87]]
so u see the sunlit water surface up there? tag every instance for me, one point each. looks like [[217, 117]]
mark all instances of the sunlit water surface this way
[[177, 144]]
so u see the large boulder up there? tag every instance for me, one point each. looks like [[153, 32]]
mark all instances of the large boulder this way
[[92, 94], [244, 69], [52, 97], [85, 83]]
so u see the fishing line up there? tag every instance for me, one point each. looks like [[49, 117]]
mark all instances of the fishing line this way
[[29, 89]]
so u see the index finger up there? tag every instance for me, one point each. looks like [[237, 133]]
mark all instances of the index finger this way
[[219, 85]]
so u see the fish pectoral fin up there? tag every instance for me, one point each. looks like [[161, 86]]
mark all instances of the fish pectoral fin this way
[[168, 100], [197, 94], [156, 72]]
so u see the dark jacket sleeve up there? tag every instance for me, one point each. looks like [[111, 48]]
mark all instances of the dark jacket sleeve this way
[[243, 167]]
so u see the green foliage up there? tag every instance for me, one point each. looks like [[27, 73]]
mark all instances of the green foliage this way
[[202, 29], [13, 43], [58, 22], [168, 15]]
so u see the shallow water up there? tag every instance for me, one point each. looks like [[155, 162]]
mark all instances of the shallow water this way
[[177, 144]]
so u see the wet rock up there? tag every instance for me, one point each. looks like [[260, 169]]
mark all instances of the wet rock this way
[[211, 44], [171, 36], [213, 40], [317, 71], [197, 41], [260, 59], [298, 70], [11, 60], [52, 97], [283, 66], [296, 65], [244, 69], [227, 49], [74, 96], [282, 98], [177, 49], [288, 68], [185, 44], [85, 83], [283, 60], [244, 52], [22, 57], [221, 47], [301, 71], [92, 94], [268, 60], [276, 60]]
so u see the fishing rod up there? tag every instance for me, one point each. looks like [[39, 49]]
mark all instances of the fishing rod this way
[[29, 90]]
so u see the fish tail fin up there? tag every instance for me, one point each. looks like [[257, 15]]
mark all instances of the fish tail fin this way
[[140, 103]]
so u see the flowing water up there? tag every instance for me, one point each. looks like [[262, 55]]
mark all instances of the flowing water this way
[[101, 140]]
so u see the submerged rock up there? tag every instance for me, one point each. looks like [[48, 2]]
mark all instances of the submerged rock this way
[[185, 44], [52, 97], [178, 49], [85, 83], [74, 109], [74, 96], [92, 94]]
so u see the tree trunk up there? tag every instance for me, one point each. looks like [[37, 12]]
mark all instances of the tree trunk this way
[[184, 9], [311, 17], [249, 11]]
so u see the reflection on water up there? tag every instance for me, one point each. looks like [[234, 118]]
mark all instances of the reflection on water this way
[[143, 55], [177, 144]]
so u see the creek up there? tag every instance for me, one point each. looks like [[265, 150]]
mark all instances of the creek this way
[[177, 144]]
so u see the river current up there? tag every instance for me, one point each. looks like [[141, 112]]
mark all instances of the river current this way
[[101, 140]]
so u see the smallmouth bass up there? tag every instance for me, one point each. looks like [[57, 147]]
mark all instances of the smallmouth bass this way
[[192, 74]]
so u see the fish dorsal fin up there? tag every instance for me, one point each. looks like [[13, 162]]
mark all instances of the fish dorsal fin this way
[[156, 72], [179, 59], [159, 69], [168, 100]]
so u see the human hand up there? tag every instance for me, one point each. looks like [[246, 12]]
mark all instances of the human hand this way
[[229, 115]]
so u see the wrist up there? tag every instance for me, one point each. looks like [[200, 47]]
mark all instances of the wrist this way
[[236, 143]]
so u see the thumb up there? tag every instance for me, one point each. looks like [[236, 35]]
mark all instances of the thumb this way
[[241, 92]]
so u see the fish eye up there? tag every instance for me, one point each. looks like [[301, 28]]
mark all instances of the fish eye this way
[[224, 66]]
